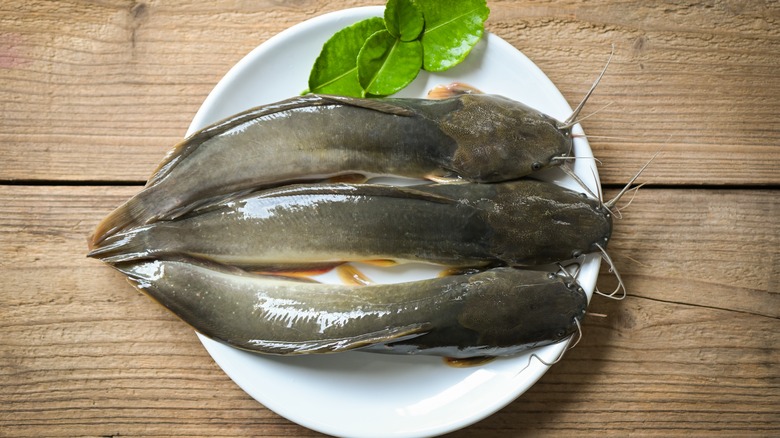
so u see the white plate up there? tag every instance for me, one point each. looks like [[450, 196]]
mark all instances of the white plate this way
[[370, 395]]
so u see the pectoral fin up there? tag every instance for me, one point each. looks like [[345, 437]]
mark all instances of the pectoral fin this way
[[467, 362], [445, 179], [452, 90], [337, 345], [381, 263], [349, 274]]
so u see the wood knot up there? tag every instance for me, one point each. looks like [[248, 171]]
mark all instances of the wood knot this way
[[625, 321], [138, 11], [640, 45]]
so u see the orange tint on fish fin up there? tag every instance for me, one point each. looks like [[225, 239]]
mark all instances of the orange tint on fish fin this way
[[348, 178], [466, 362], [117, 247], [392, 334], [456, 271], [172, 157], [440, 179], [381, 263], [451, 90], [352, 276], [297, 272], [130, 213]]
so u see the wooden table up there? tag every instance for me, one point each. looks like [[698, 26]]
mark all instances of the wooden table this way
[[92, 94]]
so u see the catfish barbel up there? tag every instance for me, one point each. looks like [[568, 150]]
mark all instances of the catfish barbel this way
[[501, 311], [476, 137], [517, 223]]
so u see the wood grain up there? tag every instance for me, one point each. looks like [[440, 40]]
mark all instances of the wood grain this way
[[691, 351], [93, 93], [100, 90]]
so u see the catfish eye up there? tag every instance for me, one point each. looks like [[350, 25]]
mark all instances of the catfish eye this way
[[536, 165]]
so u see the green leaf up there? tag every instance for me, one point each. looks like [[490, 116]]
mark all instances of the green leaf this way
[[386, 64], [335, 70], [452, 29], [404, 19]]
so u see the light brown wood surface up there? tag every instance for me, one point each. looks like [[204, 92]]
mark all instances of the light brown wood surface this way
[[92, 94]]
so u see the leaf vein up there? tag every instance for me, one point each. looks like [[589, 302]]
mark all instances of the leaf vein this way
[[384, 65], [427, 31], [335, 79]]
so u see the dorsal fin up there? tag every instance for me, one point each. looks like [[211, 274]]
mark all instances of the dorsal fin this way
[[454, 89], [387, 106]]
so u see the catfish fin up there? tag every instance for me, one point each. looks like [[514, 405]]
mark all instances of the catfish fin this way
[[351, 275], [337, 345], [207, 205], [120, 218], [445, 177], [452, 90], [467, 362], [383, 106], [299, 276], [348, 178], [302, 272], [121, 247], [457, 271], [411, 192], [380, 190], [381, 263], [446, 180]]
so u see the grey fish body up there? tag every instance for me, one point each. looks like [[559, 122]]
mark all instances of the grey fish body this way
[[519, 223], [497, 312], [481, 138]]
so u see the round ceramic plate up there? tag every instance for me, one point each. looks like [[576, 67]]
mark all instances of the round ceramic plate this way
[[370, 395]]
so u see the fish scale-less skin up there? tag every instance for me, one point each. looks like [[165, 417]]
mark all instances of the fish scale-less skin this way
[[481, 138], [496, 312], [523, 222], [295, 229], [294, 146]]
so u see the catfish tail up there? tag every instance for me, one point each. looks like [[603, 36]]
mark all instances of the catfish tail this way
[[123, 246], [137, 211]]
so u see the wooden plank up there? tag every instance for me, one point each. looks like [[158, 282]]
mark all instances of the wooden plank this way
[[83, 353], [99, 91], [654, 368], [715, 249], [693, 78], [692, 350]]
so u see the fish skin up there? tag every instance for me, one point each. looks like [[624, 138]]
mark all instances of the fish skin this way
[[480, 138], [497, 312], [518, 223]]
